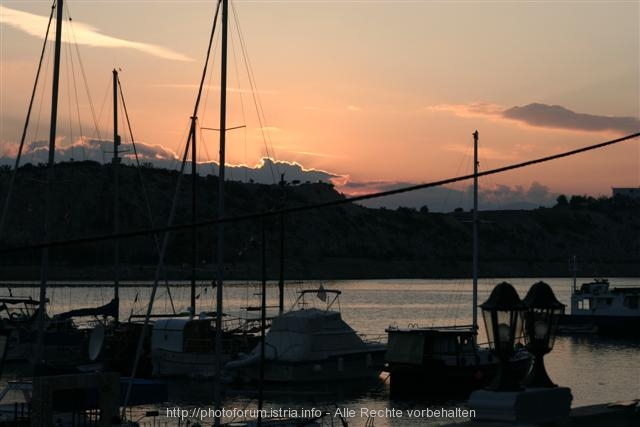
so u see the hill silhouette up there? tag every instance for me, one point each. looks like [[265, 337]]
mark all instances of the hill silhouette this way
[[346, 241]]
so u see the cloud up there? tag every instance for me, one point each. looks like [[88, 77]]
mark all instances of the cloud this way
[[35, 25], [468, 110], [518, 197], [292, 150], [266, 171], [544, 116], [556, 116], [446, 199]]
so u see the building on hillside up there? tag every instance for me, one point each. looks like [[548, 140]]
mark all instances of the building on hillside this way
[[631, 192]]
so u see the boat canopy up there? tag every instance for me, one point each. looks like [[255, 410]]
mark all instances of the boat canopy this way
[[311, 334], [109, 309], [411, 345]]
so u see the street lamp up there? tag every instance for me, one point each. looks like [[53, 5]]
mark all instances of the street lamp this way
[[541, 321], [503, 316]]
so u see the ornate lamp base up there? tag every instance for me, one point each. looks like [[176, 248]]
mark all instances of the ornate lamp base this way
[[534, 405]]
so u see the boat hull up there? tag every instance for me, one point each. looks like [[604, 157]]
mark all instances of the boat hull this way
[[614, 326], [437, 379], [168, 363], [60, 348], [353, 366]]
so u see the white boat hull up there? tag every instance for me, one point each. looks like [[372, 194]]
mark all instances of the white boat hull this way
[[354, 366], [185, 364]]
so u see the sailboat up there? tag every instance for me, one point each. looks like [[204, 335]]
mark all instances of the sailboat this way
[[445, 361], [112, 345], [65, 346], [199, 345], [50, 344]]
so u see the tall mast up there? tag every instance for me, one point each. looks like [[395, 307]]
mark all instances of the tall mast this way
[[116, 195], [223, 123], [44, 267], [574, 268], [475, 231], [281, 278], [194, 243], [263, 321]]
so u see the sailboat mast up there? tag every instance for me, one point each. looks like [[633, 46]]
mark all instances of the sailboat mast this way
[[475, 231], [44, 267], [116, 195], [263, 320], [194, 243], [575, 272], [223, 124], [281, 276]]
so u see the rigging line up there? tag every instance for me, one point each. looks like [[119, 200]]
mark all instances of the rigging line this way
[[41, 105], [84, 76], [68, 60], [203, 77], [7, 200], [202, 137], [145, 194], [158, 271], [256, 97], [244, 116], [304, 208], [205, 158], [105, 98], [206, 62], [208, 86], [75, 89]]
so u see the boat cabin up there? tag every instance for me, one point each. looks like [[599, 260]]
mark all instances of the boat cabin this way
[[310, 334], [596, 298], [183, 335], [418, 345]]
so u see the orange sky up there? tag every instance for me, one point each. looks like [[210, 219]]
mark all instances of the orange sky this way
[[376, 91]]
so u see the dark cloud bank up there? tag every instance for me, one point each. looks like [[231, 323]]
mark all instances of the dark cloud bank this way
[[556, 116]]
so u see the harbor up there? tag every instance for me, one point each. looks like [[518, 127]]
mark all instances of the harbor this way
[[597, 369], [335, 281]]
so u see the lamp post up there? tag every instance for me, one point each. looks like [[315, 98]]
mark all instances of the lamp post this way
[[503, 317], [541, 321]]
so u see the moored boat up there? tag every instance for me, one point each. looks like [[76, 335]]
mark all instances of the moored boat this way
[[598, 308], [310, 345], [185, 347], [446, 361], [442, 362]]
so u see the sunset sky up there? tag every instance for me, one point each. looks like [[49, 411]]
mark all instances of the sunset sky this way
[[374, 92]]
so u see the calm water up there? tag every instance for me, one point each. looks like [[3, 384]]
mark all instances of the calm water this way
[[596, 369]]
